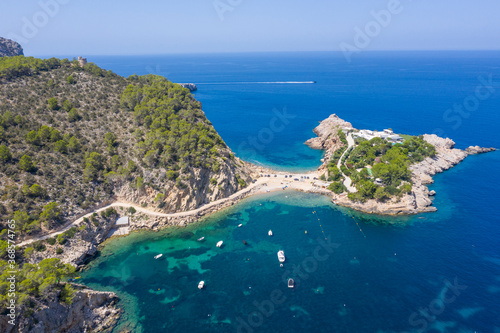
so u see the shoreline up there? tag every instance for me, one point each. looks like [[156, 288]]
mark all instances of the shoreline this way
[[267, 180], [414, 203]]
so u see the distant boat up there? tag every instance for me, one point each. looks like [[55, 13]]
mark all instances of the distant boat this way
[[290, 283], [281, 256], [270, 233], [158, 256], [201, 284], [239, 225], [245, 242], [200, 239], [219, 243]]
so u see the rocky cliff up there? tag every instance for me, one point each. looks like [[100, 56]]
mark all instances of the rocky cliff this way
[[9, 48], [327, 138], [90, 311]]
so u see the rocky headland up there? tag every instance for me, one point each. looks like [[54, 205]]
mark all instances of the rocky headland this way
[[10, 48], [419, 200]]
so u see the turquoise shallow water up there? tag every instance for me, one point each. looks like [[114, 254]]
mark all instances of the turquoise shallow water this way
[[436, 272]]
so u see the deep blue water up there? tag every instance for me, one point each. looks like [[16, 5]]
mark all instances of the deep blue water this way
[[384, 269]]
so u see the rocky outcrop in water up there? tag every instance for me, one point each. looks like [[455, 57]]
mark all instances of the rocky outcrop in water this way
[[474, 150], [9, 48], [191, 86]]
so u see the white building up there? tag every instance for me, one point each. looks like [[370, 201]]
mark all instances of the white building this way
[[387, 134]]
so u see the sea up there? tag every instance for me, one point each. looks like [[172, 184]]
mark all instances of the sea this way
[[353, 272]]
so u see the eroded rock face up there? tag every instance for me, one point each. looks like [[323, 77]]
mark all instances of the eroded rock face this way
[[327, 133], [90, 311], [202, 186], [327, 138], [9, 48]]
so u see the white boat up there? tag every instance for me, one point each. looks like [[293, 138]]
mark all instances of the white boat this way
[[270, 233], [200, 239], [201, 284], [239, 225], [281, 256], [290, 283], [219, 243], [158, 256]]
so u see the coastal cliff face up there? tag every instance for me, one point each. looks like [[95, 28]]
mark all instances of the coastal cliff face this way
[[201, 186], [9, 48], [90, 311], [419, 200], [327, 138]]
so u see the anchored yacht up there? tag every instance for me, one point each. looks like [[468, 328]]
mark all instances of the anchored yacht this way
[[281, 256]]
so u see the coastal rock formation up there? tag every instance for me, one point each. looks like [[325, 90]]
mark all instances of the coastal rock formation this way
[[327, 138], [418, 200], [9, 48], [201, 187], [191, 86], [83, 245], [90, 311], [474, 150]]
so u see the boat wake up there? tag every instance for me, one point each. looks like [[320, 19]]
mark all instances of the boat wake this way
[[271, 82]]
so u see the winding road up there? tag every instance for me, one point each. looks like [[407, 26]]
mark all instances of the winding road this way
[[347, 179], [262, 185]]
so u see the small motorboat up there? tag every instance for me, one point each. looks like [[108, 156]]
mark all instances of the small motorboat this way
[[201, 239], [202, 284], [290, 283], [245, 242], [281, 256], [219, 243], [158, 256], [239, 225], [270, 233]]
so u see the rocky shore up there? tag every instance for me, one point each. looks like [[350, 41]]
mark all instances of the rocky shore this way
[[418, 201], [90, 311]]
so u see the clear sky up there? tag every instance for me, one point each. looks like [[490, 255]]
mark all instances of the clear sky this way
[[99, 27]]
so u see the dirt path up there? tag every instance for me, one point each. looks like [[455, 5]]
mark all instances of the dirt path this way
[[275, 182], [347, 180]]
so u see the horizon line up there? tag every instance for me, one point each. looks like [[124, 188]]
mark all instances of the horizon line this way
[[255, 52]]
